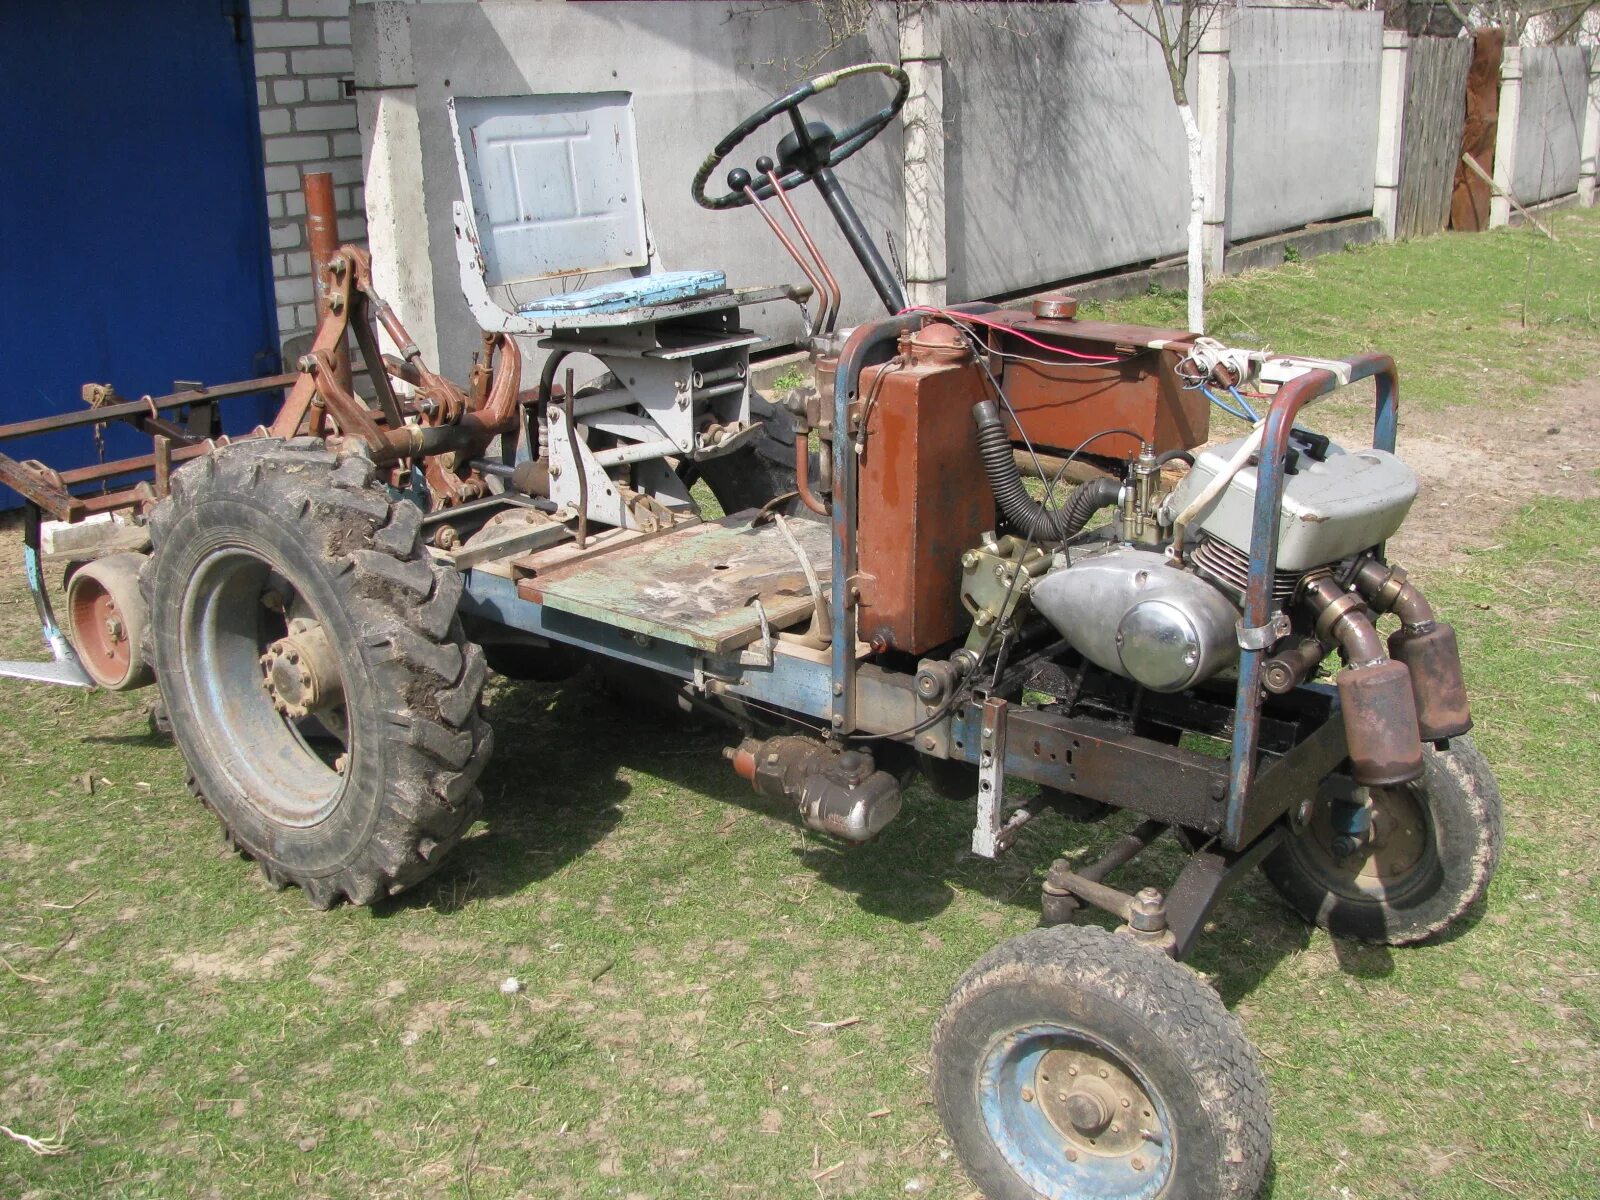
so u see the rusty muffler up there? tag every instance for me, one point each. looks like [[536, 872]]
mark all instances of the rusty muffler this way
[[1426, 646], [1375, 692], [840, 793]]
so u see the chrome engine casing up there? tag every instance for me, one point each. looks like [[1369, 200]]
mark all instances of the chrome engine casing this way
[[1136, 615]]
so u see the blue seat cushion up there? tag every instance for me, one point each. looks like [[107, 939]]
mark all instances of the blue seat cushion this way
[[665, 288]]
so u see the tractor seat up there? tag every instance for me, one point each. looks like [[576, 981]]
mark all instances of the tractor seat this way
[[668, 287]]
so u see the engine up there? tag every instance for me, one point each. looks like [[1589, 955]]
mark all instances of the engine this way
[[1165, 613]]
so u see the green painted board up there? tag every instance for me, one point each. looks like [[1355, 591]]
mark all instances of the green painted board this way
[[696, 587]]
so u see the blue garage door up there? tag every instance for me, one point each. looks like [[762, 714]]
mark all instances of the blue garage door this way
[[133, 234]]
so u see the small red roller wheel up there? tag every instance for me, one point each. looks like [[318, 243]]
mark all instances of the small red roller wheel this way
[[106, 620]]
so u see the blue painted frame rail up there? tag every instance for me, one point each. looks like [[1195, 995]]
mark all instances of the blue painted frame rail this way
[[1296, 394]]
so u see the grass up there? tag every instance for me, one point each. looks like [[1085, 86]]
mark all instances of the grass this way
[[1469, 318], [714, 1003]]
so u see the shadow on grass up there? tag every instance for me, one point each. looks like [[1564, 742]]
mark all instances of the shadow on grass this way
[[560, 776]]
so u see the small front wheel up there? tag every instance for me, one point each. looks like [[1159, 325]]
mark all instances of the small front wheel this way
[[1395, 865], [1075, 1062]]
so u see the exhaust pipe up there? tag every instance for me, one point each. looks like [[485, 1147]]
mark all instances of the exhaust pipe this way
[[1380, 710], [840, 793], [1427, 646]]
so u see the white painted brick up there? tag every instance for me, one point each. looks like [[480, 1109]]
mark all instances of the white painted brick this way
[[352, 229], [345, 170], [358, 199], [294, 203], [274, 120], [284, 235], [276, 34], [280, 269], [324, 89], [286, 320], [336, 33], [305, 315], [325, 116], [319, 8], [274, 205], [263, 95], [289, 91], [293, 291], [272, 64], [283, 179], [332, 61], [298, 263], [295, 149], [347, 145], [265, 8], [341, 199]]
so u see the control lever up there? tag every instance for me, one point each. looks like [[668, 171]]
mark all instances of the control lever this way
[[739, 181]]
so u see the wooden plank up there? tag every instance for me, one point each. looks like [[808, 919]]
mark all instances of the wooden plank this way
[[1430, 146], [697, 585]]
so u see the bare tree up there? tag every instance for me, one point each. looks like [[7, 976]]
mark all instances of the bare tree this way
[[1541, 22], [1177, 28]]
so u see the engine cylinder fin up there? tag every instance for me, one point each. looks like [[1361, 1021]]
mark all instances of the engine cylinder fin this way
[[1229, 568]]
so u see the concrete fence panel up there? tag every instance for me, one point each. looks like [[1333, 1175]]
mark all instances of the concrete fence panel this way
[[693, 70], [1065, 153], [1549, 122], [1305, 117]]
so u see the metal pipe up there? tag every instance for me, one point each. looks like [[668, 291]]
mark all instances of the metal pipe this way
[[1343, 618], [788, 243], [1294, 396], [802, 474], [844, 212], [577, 462], [322, 236], [143, 407], [833, 295]]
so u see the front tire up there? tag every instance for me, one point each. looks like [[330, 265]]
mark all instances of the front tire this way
[[313, 668], [1418, 856], [1073, 1062]]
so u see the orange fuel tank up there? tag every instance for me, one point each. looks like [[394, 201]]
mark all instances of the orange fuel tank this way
[[922, 498]]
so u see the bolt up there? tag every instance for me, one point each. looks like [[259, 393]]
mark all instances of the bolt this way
[[1137, 1164], [1072, 1155], [1061, 1096], [1027, 1095], [1104, 1074], [114, 629], [335, 303], [1344, 846], [838, 689], [928, 743], [1125, 1103], [1072, 1070], [838, 721], [336, 264], [306, 363]]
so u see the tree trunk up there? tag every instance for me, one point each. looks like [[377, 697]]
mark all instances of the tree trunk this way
[[1197, 227]]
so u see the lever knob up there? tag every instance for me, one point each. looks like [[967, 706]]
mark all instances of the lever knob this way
[[764, 165], [738, 180]]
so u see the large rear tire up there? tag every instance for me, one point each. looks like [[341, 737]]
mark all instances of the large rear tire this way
[[313, 668]]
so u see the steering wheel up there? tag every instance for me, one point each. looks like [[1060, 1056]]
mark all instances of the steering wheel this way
[[814, 146]]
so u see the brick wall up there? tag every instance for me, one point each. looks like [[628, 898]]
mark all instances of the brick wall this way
[[304, 79]]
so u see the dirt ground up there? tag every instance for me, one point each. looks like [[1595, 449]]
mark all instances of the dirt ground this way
[[1476, 466]]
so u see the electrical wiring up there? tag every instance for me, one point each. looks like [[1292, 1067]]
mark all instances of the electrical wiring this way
[[1244, 404], [977, 319], [1246, 415]]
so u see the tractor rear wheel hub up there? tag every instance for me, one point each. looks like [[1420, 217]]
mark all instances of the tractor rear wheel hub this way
[[301, 673]]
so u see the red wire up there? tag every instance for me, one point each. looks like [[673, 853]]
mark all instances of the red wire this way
[[1005, 328]]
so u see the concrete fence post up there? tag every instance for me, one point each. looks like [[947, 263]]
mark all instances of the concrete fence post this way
[[1505, 138], [1391, 125], [1213, 94], [921, 54], [1589, 148], [391, 133]]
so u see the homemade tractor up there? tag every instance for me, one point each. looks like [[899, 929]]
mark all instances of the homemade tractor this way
[[990, 543]]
